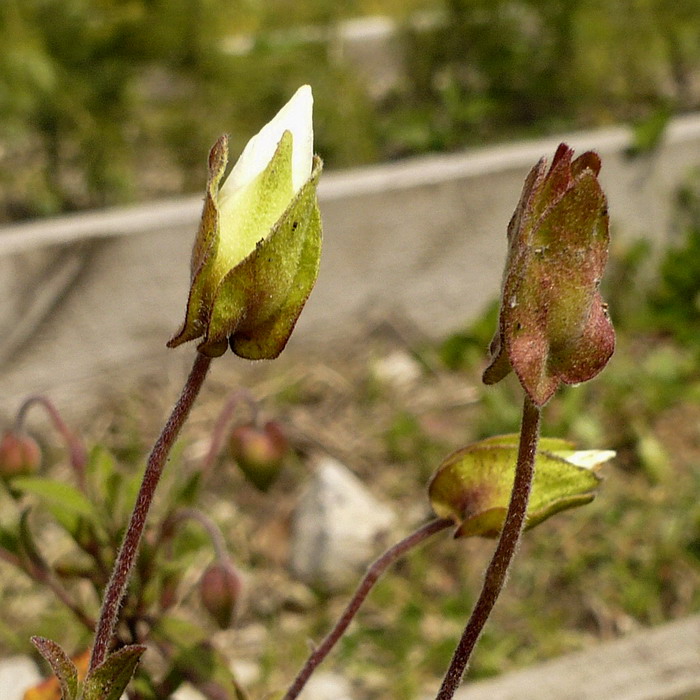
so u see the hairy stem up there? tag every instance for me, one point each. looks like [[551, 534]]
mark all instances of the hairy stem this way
[[121, 572], [376, 569], [497, 571]]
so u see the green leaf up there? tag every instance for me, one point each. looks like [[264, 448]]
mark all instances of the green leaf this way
[[109, 680], [61, 665], [104, 477], [65, 502], [9, 540], [186, 494], [473, 485], [29, 550]]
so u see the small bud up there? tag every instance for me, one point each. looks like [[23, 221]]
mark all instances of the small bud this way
[[220, 590], [256, 255], [259, 452], [553, 324], [20, 455]]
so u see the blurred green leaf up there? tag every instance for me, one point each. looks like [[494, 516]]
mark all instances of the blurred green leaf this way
[[195, 659], [105, 480], [29, 548], [58, 494]]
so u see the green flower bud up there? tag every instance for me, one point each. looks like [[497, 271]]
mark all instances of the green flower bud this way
[[256, 256], [553, 323], [20, 455], [473, 485]]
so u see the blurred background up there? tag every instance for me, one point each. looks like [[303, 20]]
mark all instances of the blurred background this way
[[110, 101]]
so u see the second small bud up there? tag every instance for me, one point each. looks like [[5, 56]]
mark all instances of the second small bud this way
[[259, 452], [20, 455], [220, 590]]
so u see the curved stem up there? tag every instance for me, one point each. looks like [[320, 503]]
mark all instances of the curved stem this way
[[376, 569], [222, 422], [121, 572], [212, 529], [497, 571], [76, 449]]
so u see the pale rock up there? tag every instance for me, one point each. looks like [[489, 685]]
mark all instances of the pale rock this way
[[17, 674], [187, 692], [338, 528], [397, 369], [326, 686]]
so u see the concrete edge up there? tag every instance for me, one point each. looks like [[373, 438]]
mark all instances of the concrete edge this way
[[376, 179]]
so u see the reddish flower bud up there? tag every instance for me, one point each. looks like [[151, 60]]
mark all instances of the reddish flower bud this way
[[553, 323], [20, 455], [259, 452], [220, 590]]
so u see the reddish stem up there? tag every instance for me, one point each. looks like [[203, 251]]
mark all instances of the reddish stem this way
[[222, 423], [497, 571], [212, 529], [376, 569], [76, 449], [121, 572]]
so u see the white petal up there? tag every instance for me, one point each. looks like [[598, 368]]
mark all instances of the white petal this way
[[295, 116], [589, 459]]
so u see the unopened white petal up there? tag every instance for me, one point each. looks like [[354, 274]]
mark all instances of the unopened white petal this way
[[296, 117], [589, 459]]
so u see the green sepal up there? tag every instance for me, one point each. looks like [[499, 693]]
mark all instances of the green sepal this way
[[62, 666], [252, 304], [109, 680], [473, 485]]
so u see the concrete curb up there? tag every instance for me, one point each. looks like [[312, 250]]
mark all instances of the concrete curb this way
[[421, 239]]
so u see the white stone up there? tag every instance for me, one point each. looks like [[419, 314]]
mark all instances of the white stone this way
[[339, 527], [397, 369], [17, 674], [187, 692], [326, 686]]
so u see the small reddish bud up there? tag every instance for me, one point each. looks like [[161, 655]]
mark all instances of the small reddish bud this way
[[220, 590], [553, 324], [20, 455], [259, 452]]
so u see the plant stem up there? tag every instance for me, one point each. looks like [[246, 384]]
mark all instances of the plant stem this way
[[497, 571], [219, 433], [76, 449], [215, 534], [376, 569], [121, 572]]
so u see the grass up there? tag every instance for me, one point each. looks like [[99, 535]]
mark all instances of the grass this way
[[630, 559]]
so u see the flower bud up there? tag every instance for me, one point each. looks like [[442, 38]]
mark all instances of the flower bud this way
[[553, 324], [256, 256], [220, 590], [259, 452], [473, 485], [20, 455]]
